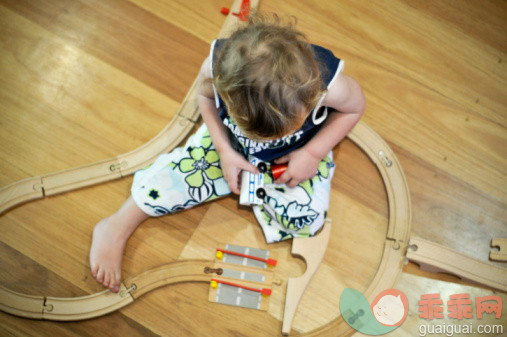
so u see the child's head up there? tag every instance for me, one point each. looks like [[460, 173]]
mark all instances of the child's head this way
[[268, 78]]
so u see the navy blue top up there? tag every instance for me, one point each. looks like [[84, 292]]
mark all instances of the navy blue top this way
[[329, 65]]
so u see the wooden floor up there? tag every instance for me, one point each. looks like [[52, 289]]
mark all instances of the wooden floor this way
[[83, 80]]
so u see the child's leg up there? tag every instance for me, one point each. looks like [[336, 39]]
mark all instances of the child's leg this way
[[186, 177], [109, 238]]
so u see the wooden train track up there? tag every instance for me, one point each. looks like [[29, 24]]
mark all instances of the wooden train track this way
[[429, 255], [95, 305], [79, 308], [51, 308]]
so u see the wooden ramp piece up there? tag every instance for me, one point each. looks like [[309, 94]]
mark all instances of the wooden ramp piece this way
[[312, 250], [501, 254], [436, 258]]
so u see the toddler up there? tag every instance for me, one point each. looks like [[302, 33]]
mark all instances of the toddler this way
[[264, 92]]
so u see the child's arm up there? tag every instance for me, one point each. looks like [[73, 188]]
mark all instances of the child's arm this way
[[346, 96], [231, 161]]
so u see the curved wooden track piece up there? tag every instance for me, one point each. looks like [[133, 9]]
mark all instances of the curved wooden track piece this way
[[95, 305], [398, 228], [42, 307], [398, 195], [429, 256]]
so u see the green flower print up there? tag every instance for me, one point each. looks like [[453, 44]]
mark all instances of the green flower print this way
[[201, 166], [284, 221]]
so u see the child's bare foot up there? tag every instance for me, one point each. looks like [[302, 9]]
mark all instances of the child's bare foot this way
[[109, 239], [106, 254]]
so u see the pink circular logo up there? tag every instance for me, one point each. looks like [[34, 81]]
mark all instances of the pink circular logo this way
[[390, 307]]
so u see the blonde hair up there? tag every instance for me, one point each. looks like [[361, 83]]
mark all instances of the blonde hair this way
[[267, 76]]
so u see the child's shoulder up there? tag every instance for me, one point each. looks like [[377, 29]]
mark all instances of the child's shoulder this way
[[343, 93]]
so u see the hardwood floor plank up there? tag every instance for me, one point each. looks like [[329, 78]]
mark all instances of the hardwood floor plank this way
[[148, 48], [483, 20], [429, 47], [112, 325], [358, 178], [199, 18], [450, 211], [441, 132], [47, 83]]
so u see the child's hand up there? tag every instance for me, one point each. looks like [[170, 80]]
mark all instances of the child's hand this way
[[302, 166], [232, 164]]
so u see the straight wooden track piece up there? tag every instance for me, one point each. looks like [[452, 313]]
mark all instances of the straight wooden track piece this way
[[312, 250], [436, 258], [501, 254]]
